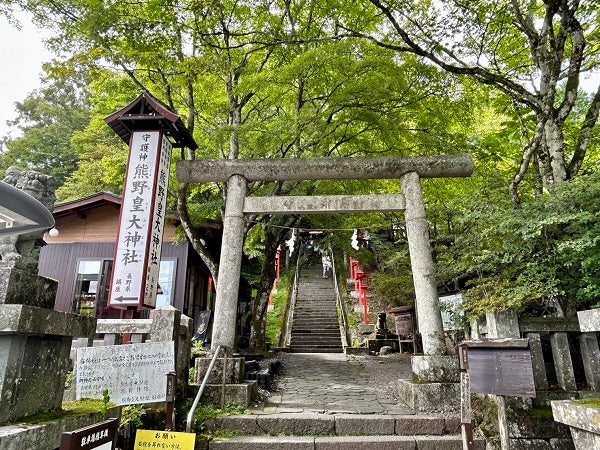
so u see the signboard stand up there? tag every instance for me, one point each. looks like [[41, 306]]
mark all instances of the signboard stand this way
[[498, 366], [151, 131], [170, 398], [465, 410]]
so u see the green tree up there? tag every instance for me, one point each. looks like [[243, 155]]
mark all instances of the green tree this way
[[47, 119], [228, 70], [540, 254], [535, 53]]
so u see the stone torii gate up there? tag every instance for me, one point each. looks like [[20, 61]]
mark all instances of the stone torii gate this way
[[237, 173]]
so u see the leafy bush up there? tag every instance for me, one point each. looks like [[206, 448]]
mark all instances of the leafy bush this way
[[545, 251]]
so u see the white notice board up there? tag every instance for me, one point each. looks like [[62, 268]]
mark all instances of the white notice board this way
[[132, 373]]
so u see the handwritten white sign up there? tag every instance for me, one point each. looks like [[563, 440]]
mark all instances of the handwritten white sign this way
[[132, 373]]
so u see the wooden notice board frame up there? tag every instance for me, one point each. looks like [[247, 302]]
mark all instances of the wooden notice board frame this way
[[499, 366], [100, 435]]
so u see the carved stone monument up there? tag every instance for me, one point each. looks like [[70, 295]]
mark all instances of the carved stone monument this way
[[35, 340]]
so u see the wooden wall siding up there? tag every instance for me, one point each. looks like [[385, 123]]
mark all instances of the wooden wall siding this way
[[99, 225], [59, 262]]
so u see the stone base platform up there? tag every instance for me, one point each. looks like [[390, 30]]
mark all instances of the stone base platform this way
[[236, 393], [425, 397]]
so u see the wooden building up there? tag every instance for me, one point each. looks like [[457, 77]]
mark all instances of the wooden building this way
[[81, 258]]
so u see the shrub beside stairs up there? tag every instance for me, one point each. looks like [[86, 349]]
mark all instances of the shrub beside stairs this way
[[315, 327], [313, 431]]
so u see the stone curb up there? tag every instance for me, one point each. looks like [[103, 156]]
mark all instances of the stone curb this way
[[340, 424], [343, 443]]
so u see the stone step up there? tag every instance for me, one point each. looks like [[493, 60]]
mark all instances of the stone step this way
[[316, 349], [340, 431], [315, 310], [324, 304], [310, 323], [311, 317], [317, 332], [337, 424], [334, 343], [315, 336]]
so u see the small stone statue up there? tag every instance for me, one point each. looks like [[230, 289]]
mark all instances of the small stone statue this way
[[381, 329], [14, 248]]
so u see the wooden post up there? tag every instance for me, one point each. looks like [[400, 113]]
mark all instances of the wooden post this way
[[502, 422], [170, 399], [465, 410], [224, 378], [466, 424]]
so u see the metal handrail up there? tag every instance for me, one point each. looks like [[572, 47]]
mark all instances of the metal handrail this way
[[340, 301], [188, 426], [287, 332]]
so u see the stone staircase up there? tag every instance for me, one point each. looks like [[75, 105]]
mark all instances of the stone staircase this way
[[315, 327], [310, 431]]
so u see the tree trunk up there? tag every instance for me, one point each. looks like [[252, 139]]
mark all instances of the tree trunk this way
[[261, 302]]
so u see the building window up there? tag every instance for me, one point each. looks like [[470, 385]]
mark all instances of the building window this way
[[166, 282], [92, 284], [86, 286]]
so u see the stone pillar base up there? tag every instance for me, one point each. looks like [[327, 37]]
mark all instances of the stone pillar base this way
[[435, 369], [430, 397], [239, 393], [35, 345], [435, 385], [234, 373]]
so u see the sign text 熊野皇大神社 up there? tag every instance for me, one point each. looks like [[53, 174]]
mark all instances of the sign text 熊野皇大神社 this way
[[139, 241]]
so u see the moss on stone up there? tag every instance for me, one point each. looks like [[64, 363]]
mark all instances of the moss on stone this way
[[542, 413], [68, 409], [591, 402]]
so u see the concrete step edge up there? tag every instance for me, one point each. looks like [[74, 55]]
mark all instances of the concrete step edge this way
[[343, 442]]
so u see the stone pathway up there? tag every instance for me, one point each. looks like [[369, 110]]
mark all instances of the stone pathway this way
[[334, 383]]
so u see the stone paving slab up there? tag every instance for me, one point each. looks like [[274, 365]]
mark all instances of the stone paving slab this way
[[334, 383]]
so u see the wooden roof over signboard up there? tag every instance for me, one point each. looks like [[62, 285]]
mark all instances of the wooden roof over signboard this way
[[147, 113], [81, 206]]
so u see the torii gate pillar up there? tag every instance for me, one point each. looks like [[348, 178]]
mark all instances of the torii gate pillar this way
[[421, 262], [230, 266]]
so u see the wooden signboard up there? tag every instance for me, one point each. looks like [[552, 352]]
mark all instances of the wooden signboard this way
[[500, 367], [404, 324], [101, 436]]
